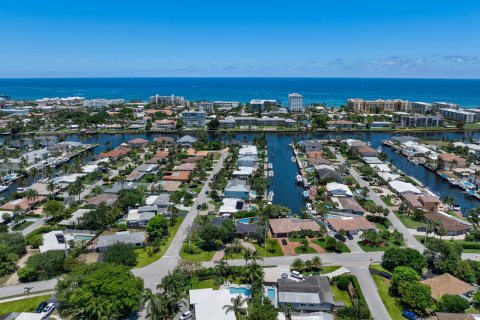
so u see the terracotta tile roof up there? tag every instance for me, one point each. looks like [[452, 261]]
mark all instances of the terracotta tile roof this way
[[162, 154], [22, 203], [448, 157], [350, 223], [288, 225], [115, 153], [448, 223], [163, 139], [366, 149], [176, 175], [447, 284], [314, 154], [413, 200], [185, 167], [170, 186], [138, 141]]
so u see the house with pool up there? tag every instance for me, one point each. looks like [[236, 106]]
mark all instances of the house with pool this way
[[238, 189], [207, 304]]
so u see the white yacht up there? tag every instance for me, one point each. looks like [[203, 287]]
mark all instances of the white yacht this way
[[3, 188], [293, 159], [270, 165], [299, 178], [270, 174], [270, 196]]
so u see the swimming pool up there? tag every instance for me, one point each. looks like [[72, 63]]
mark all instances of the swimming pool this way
[[271, 293], [83, 237], [246, 220], [240, 290]]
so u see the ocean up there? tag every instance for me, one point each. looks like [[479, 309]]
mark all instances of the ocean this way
[[332, 91]]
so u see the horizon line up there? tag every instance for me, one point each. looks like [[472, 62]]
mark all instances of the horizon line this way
[[233, 77]]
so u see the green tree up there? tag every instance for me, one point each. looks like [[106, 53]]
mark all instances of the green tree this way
[[402, 275], [265, 311], [54, 210], [416, 296], [237, 306], [43, 266], [453, 303], [407, 257], [297, 265], [213, 124], [443, 256], [157, 227], [123, 254], [99, 290]]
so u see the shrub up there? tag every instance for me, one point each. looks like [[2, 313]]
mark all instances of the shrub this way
[[343, 282], [123, 254]]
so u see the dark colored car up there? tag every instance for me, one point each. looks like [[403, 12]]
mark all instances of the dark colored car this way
[[349, 236], [340, 237], [41, 306], [385, 275], [410, 315], [284, 242], [206, 192], [199, 206]]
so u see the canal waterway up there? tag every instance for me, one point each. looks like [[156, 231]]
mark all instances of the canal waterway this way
[[286, 191]]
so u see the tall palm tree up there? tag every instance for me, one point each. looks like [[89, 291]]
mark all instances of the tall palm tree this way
[[237, 306], [222, 267], [51, 188], [31, 195], [155, 306], [247, 255], [316, 263]]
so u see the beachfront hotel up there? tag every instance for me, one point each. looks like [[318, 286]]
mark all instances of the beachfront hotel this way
[[295, 102], [380, 105]]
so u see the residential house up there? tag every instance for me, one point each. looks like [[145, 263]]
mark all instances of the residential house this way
[[336, 189], [170, 186], [166, 124], [284, 227], [139, 217], [55, 240], [208, 304], [313, 294], [247, 161], [448, 161], [413, 201], [348, 205], [116, 153], [447, 284], [136, 239], [246, 230], [176, 176], [352, 225], [452, 226], [138, 143], [340, 124], [230, 206], [75, 218], [237, 189], [328, 174], [104, 198], [166, 141], [430, 203], [402, 188], [312, 145], [186, 141], [366, 151]]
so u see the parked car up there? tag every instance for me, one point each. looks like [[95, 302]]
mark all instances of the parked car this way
[[410, 315], [47, 310], [206, 192], [284, 242], [349, 236], [199, 206], [340, 237], [186, 315], [284, 275], [386, 275], [298, 275], [41, 306]]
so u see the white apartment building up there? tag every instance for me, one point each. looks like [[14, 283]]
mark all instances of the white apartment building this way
[[194, 118], [171, 100], [100, 103], [457, 115], [444, 105], [295, 102]]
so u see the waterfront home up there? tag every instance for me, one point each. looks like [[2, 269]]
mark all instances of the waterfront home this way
[[348, 205], [166, 141], [312, 145], [231, 206], [366, 151], [352, 225], [312, 294], [412, 201], [208, 304], [403, 139], [36, 155], [243, 172], [186, 141], [63, 146], [246, 230], [336, 189], [453, 226], [314, 154], [340, 124], [319, 161], [327, 173], [248, 150], [447, 284], [137, 143], [247, 161], [449, 161], [75, 218], [237, 189], [23, 204], [116, 153], [137, 239], [430, 203], [165, 124], [103, 198], [284, 227], [401, 187]]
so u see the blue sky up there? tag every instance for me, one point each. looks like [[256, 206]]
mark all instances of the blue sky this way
[[348, 38]]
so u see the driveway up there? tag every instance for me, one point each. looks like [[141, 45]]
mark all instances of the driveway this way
[[289, 249]]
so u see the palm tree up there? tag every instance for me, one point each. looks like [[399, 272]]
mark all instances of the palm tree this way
[[31, 195], [222, 267], [316, 263], [51, 188], [155, 307], [49, 172], [287, 311], [237, 306], [304, 245], [297, 264], [247, 255]]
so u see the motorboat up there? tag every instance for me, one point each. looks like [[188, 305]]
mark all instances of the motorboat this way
[[270, 196], [293, 159], [270, 174], [305, 194], [298, 178], [270, 165], [3, 188], [309, 206]]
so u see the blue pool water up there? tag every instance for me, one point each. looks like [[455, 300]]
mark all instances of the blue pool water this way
[[271, 293], [240, 290], [83, 237], [246, 220]]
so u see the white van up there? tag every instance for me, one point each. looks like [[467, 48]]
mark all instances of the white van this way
[[298, 275], [47, 310]]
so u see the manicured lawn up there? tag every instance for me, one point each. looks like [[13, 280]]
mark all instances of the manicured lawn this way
[[388, 245], [409, 222], [298, 250], [393, 308], [322, 243], [23, 305], [378, 267], [23, 226], [275, 251], [203, 284], [387, 200], [142, 257], [328, 269], [201, 256], [422, 238], [341, 295]]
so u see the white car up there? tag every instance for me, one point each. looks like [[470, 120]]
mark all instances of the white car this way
[[186, 315], [298, 275], [47, 310]]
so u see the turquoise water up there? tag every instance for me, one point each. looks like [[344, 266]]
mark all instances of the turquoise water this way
[[240, 290], [271, 293], [83, 237], [332, 91], [246, 220]]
